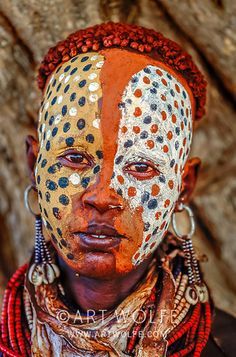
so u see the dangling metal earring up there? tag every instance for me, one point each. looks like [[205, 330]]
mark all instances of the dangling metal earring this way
[[197, 290], [43, 270]]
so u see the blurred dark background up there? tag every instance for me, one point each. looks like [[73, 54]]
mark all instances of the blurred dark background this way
[[207, 30]]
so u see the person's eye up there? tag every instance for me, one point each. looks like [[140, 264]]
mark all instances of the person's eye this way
[[75, 159], [142, 170]]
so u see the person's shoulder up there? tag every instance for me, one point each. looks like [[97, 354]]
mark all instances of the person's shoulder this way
[[222, 341]]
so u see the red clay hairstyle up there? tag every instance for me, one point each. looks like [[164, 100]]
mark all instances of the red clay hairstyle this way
[[131, 37]]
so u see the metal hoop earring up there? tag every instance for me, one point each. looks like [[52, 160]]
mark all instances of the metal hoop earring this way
[[197, 290], [43, 270]]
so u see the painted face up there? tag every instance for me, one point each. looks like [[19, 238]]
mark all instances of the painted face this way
[[114, 132]]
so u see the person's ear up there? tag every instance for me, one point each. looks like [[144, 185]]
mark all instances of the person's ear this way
[[189, 178], [31, 153]]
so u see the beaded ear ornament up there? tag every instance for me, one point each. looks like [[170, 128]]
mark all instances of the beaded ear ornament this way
[[43, 270], [197, 290]]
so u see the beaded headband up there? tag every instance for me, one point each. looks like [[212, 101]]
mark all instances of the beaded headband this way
[[130, 37]]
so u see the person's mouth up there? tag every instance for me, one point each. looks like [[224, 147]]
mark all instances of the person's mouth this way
[[99, 237]]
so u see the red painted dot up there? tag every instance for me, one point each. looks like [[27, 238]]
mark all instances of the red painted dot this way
[[138, 93], [184, 141], [136, 255], [146, 80], [173, 118], [148, 237], [124, 129], [159, 72], [177, 88], [152, 245], [163, 97], [154, 128], [155, 190], [182, 125], [182, 102], [136, 129], [120, 179], [158, 215], [170, 135], [137, 112], [186, 112], [181, 152], [176, 168], [163, 114], [140, 209], [167, 203], [132, 191], [176, 104], [150, 144], [171, 184], [164, 82], [163, 225], [165, 148]]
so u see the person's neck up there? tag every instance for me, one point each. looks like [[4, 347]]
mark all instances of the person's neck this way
[[100, 294]]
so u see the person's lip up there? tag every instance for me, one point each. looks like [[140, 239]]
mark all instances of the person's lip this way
[[99, 237]]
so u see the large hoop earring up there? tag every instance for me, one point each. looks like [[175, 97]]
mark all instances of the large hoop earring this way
[[197, 290], [43, 270]]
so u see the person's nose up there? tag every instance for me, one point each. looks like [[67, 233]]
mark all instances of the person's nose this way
[[101, 198]]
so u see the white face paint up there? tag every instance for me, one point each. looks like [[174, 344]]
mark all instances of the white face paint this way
[[155, 129]]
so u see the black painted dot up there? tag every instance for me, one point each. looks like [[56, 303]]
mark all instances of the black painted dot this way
[[169, 76], [73, 59], [54, 100], [49, 94], [70, 256], [182, 111], [67, 68], [70, 141], [54, 131], [147, 70], [82, 101], [145, 197], [46, 115], [56, 213], [39, 158], [53, 238], [87, 67], [66, 88], [172, 92], [121, 105], [169, 107], [64, 110], [96, 169], [59, 232], [73, 71], [58, 87], [64, 200], [48, 145], [159, 139], [152, 204], [185, 121], [63, 182], [176, 145], [40, 194], [38, 179], [99, 154], [128, 143], [146, 226], [134, 79], [144, 134], [45, 212], [66, 127], [51, 120], [90, 138], [81, 124], [162, 178], [184, 94], [155, 231], [44, 135], [48, 88], [119, 191], [82, 83], [63, 242], [84, 59], [72, 97], [51, 185], [165, 214], [58, 69], [147, 119], [177, 130], [172, 162], [54, 83], [155, 84], [153, 106], [47, 196], [40, 128], [129, 101], [119, 159], [48, 225], [153, 90], [44, 163], [85, 182], [113, 175]]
